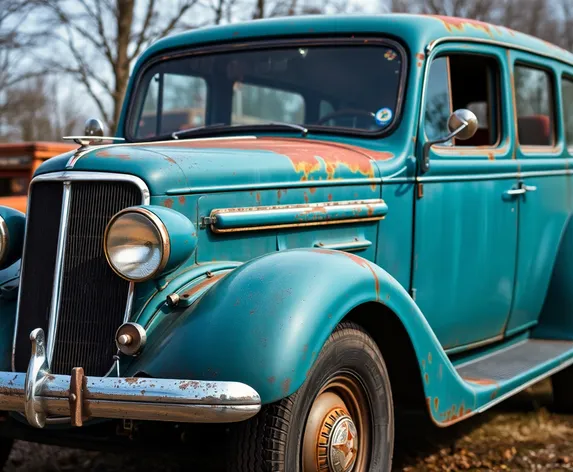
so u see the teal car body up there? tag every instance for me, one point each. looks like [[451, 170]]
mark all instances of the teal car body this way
[[294, 233]]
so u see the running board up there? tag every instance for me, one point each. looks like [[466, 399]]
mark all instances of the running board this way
[[488, 380], [513, 361]]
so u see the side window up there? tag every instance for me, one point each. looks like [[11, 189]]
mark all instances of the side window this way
[[475, 86], [567, 93], [438, 105], [533, 100], [256, 104], [464, 81], [182, 104]]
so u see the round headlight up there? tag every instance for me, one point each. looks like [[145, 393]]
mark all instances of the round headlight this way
[[136, 244]]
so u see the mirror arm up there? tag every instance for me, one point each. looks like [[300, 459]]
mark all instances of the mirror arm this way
[[425, 164]]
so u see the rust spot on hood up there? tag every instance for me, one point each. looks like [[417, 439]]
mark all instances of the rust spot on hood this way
[[168, 202], [182, 199], [306, 156], [106, 153]]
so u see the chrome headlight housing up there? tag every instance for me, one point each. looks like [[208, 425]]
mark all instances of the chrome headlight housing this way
[[136, 244], [141, 243]]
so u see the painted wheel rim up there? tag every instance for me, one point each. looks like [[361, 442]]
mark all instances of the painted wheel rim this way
[[337, 433]]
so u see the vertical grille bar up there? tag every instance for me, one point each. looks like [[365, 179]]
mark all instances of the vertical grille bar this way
[[93, 298], [43, 226]]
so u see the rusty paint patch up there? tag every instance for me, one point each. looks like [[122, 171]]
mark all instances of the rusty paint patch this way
[[305, 197], [429, 357], [312, 190], [459, 24], [420, 56], [181, 200], [202, 285], [491, 156], [258, 198], [329, 197], [168, 202], [105, 153], [436, 403], [131, 380], [480, 381], [427, 378], [285, 386], [170, 160]]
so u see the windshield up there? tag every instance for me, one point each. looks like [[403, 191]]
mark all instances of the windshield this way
[[354, 87]]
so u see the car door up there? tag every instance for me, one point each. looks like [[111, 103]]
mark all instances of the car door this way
[[466, 213], [544, 204]]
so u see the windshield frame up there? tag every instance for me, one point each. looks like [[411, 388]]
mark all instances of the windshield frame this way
[[262, 44]]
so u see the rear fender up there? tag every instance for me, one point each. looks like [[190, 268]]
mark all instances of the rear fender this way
[[264, 324]]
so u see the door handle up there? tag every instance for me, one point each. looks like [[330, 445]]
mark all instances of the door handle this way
[[515, 191], [529, 188]]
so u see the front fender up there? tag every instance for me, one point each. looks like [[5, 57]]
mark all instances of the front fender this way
[[264, 323]]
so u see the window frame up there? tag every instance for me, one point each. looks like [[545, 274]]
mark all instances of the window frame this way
[[519, 62], [353, 40], [495, 115], [565, 77]]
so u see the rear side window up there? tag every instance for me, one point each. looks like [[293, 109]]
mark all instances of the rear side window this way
[[567, 93], [534, 99]]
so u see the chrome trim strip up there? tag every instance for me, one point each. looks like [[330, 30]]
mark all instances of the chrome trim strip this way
[[66, 176], [229, 220], [58, 269], [436, 42]]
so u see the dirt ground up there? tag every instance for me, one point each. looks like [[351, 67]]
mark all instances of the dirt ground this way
[[521, 434]]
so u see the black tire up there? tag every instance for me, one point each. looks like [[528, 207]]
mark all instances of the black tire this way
[[275, 440], [5, 449], [562, 383]]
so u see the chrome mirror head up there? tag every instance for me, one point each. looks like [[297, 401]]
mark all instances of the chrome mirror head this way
[[463, 123], [93, 127]]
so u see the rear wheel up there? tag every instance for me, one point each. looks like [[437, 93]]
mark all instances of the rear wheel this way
[[340, 420], [562, 383]]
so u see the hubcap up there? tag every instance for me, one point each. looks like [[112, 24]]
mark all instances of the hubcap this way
[[343, 445], [337, 432]]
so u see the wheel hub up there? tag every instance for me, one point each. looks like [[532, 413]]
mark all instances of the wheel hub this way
[[343, 445]]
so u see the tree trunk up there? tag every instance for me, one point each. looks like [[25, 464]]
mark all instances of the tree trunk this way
[[121, 67]]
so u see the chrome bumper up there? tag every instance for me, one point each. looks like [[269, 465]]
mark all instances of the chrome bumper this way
[[45, 398]]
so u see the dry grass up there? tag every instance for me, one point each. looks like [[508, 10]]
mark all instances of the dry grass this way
[[519, 435]]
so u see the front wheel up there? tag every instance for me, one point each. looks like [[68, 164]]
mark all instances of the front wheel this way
[[340, 420]]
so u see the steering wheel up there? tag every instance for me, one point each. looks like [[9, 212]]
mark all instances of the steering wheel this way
[[345, 112]]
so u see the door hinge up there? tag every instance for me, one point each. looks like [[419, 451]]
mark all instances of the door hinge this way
[[413, 293], [206, 221], [420, 189]]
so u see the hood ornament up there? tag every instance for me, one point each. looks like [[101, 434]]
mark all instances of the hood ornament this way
[[93, 134]]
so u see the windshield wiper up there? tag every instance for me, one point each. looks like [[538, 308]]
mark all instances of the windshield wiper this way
[[176, 134], [302, 129], [189, 131]]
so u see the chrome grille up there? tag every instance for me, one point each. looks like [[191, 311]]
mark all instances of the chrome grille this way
[[92, 298]]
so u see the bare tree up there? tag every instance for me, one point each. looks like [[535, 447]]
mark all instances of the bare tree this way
[[38, 109], [99, 40], [16, 46]]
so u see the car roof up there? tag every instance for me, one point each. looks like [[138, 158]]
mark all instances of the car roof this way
[[418, 32]]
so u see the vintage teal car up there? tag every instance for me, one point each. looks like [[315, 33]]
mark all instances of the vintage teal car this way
[[301, 226]]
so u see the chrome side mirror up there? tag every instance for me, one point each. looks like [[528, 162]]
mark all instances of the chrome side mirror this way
[[462, 124]]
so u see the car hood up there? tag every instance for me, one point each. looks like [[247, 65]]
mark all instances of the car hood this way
[[203, 165]]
